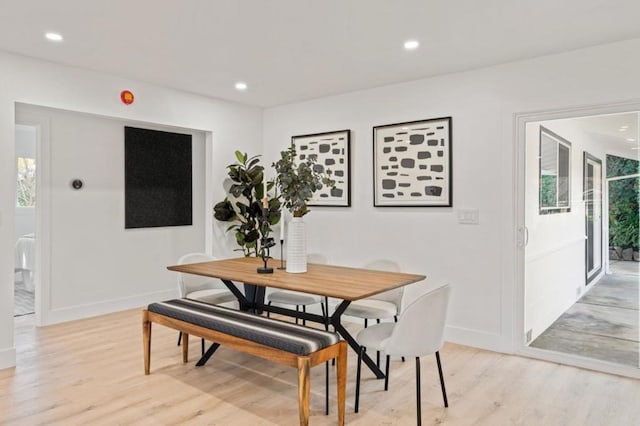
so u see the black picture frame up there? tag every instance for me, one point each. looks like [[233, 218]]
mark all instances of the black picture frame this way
[[412, 164], [332, 151]]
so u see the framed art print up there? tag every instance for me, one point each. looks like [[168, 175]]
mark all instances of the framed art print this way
[[331, 154], [412, 164]]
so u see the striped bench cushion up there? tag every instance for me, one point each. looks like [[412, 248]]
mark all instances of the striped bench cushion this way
[[270, 332]]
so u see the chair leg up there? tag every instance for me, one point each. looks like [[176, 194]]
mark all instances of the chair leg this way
[[378, 359], [202, 347], [324, 315], [326, 388], [444, 391], [304, 309], [378, 320], [297, 310], [179, 337], [419, 405], [269, 313], [386, 374], [365, 323], [360, 352]]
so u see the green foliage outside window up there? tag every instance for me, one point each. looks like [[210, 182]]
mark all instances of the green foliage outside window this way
[[548, 191], [624, 220], [26, 185]]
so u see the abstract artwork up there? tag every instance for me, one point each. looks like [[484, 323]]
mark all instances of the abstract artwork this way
[[330, 151], [412, 164]]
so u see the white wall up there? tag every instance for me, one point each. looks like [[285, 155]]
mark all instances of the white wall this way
[[478, 260], [555, 254], [87, 225], [229, 126]]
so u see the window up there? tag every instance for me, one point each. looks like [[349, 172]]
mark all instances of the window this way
[[555, 162], [26, 187]]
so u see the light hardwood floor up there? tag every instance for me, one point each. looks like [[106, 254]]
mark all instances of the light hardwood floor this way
[[90, 372]]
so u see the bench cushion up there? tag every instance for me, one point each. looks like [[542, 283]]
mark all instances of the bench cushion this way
[[270, 332]]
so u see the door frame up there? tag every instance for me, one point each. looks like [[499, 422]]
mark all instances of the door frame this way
[[42, 278], [586, 158], [520, 119]]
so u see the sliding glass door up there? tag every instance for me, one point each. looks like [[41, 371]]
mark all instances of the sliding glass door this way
[[593, 215]]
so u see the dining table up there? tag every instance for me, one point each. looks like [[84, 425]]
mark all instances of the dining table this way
[[339, 282]]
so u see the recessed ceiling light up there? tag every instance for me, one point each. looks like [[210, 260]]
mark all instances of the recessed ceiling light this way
[[623, 128], [53, 36], [411, 44], [241, 85], [631, 140]]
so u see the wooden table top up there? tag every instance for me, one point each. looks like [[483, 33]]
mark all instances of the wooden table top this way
[[324, 280]]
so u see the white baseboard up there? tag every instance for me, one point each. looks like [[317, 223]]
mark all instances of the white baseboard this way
[[7, 358], [474, 338], [72, 313]]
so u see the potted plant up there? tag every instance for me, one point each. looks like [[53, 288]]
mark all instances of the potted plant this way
[[245, 207], [297, 182]]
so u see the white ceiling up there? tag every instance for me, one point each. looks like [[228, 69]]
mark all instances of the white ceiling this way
[[619, 131], [293, 50]]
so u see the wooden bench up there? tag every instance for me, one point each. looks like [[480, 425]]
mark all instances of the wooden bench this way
[[283, 342]]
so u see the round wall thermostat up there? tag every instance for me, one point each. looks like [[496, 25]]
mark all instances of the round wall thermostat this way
[[76, 184]]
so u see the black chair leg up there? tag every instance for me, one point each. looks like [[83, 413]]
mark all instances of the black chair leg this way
[[304, 309], [326, 388], [297, 310], [360, 352], [378, 359], [365, 323], [386, 374], [202, 346], [324, 315], [179, 338], [269, 313], [378, 319], [418, 399], [444, 391]]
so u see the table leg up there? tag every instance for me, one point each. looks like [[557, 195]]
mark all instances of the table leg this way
[[242, 300], [335, 321]]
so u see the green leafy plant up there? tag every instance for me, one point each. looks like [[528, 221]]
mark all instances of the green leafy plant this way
[[243, 206], [624, 220], [298, 182]]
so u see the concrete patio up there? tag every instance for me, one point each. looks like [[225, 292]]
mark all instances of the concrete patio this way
[[603, 324]]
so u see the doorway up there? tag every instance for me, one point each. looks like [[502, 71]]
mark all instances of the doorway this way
[[25, 219], [564, 236]]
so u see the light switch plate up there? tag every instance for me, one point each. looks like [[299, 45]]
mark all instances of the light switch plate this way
[[469, 216]]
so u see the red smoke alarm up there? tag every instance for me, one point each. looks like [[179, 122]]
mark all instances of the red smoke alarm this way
[[127, 97]]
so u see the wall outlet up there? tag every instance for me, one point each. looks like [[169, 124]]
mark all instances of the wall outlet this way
[[469, 216], [529, 335]]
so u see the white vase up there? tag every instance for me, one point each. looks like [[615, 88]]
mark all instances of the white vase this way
[[296, 247]]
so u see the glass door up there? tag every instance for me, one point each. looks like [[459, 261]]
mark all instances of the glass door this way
[[593, 215]]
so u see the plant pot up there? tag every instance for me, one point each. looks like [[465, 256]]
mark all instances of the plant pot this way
[[296, 247]]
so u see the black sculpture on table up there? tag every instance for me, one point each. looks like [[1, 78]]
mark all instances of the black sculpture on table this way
[[266, 242]]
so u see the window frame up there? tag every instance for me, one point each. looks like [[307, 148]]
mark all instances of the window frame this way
[[560, 141]]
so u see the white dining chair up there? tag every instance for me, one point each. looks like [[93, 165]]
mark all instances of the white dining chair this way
[[418, 332], [201, 288], [383, 306], [298, 299]]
